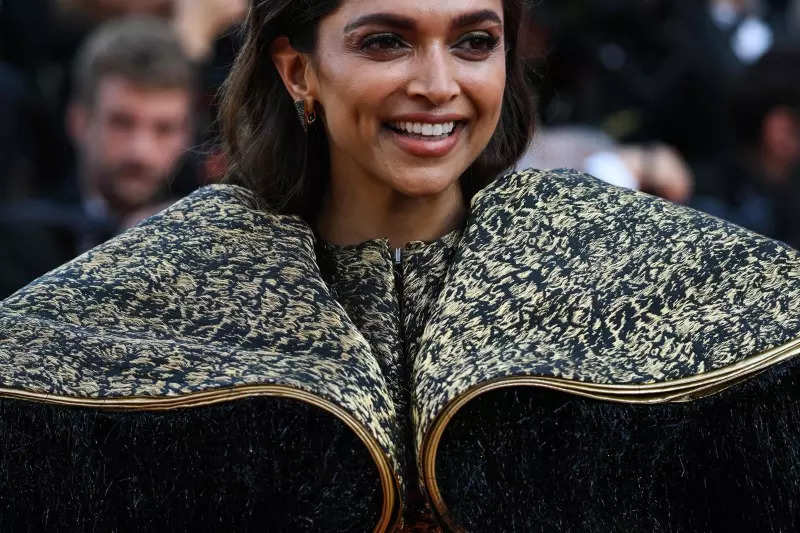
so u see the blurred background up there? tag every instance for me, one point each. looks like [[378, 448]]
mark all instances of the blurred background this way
[[107, 110]]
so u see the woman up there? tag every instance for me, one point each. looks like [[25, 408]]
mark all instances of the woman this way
[[369, 316]]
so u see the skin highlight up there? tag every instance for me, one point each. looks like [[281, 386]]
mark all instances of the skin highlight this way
[[379, 63]]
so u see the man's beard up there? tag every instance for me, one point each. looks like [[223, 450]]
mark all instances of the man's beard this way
[[130, 186]]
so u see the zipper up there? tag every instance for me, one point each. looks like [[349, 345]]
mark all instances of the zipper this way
[[398, 290]]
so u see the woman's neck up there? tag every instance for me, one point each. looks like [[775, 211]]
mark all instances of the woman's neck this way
[[353, 214]]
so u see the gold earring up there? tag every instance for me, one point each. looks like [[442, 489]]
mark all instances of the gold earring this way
[[305, 118]]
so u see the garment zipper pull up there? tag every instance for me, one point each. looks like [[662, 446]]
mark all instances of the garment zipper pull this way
[[398, 255]]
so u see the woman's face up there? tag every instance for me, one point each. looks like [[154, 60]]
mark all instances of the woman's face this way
[[411, 90]]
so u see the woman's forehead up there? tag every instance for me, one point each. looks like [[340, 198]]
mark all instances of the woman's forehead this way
[[419, 13]]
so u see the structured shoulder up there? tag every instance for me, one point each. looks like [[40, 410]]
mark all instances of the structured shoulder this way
[[519, 184], [569, 191], [561, 276], [218, 209], [565, 290], [212, 293], [200, 312], [213, 225], [610, 221], [652, 289]]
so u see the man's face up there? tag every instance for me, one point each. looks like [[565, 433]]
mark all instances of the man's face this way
[[131, 140]]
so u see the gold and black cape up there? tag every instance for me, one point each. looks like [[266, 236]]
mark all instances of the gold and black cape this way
[[577, 357]]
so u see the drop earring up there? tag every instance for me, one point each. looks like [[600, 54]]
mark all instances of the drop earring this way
[[305, 118]]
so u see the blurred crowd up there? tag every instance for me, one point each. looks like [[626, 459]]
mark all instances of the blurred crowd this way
[[697, 101], [108, 110]]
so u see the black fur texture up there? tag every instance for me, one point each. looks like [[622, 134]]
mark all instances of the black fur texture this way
[[534, 460], [261, 464]]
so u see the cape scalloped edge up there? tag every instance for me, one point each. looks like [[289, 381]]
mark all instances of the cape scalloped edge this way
[[188, 403], [471, 409], [678, 391]]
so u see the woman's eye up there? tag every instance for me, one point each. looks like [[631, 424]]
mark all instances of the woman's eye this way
[[478, 44], [382, 43]]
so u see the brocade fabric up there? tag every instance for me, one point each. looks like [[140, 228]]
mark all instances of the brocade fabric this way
[[555, 275]]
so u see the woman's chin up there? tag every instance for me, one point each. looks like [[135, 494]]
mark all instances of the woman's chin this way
[[419, 186]]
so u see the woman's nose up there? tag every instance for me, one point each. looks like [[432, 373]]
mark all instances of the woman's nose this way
[[434, 77]]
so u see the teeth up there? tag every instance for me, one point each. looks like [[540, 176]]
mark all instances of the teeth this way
[[426, 129]]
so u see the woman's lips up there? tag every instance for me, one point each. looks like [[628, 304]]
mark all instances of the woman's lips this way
[[425, 146]]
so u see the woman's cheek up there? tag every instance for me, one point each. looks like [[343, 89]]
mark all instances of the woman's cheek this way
[[494, 99]]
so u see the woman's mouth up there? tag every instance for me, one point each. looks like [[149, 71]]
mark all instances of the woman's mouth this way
[[426, 139], [423, 129]]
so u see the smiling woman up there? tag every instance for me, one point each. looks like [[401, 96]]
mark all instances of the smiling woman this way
[[420, 106], [368, 327]]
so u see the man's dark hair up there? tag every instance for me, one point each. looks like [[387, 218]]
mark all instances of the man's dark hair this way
[[142, 50], [268, 150]]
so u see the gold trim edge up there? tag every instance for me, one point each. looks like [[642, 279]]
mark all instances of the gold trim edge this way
[[679, 390], [392, 503]]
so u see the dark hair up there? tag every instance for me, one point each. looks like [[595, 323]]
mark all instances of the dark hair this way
[[269, 152], [143, 50]]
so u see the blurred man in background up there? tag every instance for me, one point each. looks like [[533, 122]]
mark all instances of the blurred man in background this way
[[758, 185], [130, 120], [129, 117], [39, 40]]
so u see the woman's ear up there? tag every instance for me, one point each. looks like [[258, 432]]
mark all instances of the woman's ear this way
[[294, 69]]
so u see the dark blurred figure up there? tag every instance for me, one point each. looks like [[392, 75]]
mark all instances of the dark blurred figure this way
[[38, 43], [31, 149], [129, 118], [651, 70], [18, 159], [204, 30], [758, 185]]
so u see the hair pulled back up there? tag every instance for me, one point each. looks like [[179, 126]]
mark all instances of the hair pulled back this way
[[267, 149]]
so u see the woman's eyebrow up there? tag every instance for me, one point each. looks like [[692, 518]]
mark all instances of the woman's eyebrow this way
[[382, 19], [476, 17], [406, 23]]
